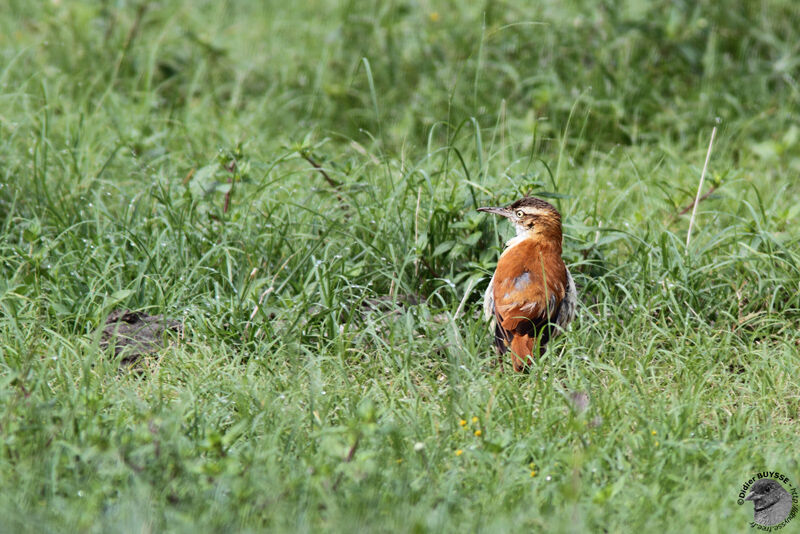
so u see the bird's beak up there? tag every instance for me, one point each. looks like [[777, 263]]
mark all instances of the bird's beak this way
[[503, 212], [751, 496]]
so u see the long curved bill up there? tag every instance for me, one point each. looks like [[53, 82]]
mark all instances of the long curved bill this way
[[503, 212]]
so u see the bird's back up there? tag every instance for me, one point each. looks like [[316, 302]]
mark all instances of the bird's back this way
[[530, 287]]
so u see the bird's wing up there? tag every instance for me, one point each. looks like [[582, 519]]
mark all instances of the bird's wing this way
[[488, 301], [568, 307]]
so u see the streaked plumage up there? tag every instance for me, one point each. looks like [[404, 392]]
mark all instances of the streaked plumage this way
[[531, 296]]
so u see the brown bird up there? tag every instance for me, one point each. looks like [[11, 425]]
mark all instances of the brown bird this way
[[531, 296]]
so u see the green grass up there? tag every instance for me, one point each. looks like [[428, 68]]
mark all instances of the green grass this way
[[338, 406]]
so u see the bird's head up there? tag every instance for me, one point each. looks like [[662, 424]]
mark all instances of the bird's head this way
[[765, 493], [532, 217]]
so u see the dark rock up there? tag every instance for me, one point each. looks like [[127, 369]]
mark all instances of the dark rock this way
[[135, 334]]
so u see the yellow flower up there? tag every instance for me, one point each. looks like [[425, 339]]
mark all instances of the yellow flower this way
[[399, 460], [434, 16], [656, 444], [459, 452], [533, 472], [478, 432], [462, 423], [654, 432], [474, 419]]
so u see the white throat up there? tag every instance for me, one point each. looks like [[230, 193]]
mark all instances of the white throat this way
[[517, 239], [522, 234]]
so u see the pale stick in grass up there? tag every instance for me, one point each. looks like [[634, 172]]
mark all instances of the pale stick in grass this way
[[700, 187]]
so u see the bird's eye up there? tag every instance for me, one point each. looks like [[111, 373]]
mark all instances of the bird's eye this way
[[767, 489], [520, 213]]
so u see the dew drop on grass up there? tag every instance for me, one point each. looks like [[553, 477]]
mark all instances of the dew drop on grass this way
[[547, 478]]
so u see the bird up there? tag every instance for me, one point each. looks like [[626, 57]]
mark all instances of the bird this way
[[531, 296], [771, 502]]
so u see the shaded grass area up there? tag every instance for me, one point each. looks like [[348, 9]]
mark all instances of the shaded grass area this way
[[321, 165]]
